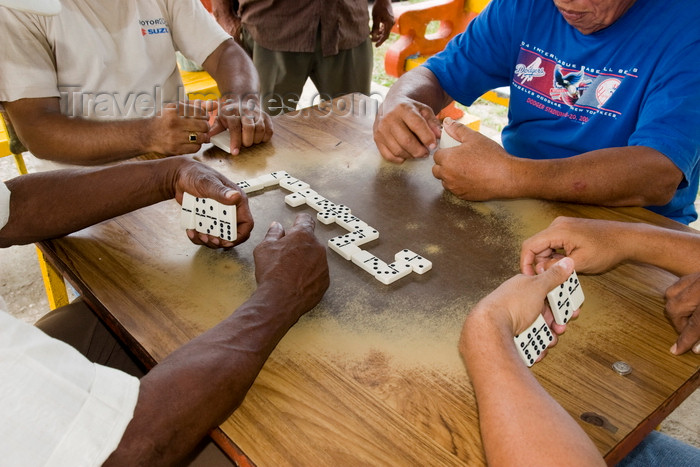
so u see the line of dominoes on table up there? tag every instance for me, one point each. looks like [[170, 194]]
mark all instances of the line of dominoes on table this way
[[563, 301], [213, 218]]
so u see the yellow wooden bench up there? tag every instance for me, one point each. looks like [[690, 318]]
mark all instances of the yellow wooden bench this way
[[199, 85]]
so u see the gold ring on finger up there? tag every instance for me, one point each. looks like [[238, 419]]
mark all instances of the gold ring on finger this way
[[192, 138]]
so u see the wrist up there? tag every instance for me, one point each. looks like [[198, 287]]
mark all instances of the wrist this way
[[277, 304], [483, 327], [146, 131], [170, 172], [638, 244], [520, 181]]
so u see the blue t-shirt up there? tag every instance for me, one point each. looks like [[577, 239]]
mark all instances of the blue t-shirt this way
[[634, 83]]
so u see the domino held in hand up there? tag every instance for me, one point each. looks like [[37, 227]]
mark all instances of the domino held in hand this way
[[565, 299], [533, 341], [209, 217], [222, 140], [447, 141]]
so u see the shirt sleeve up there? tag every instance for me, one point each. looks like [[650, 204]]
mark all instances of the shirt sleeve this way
[[58, 408], [480, 58], [195, 31], [28, 64], [4, 205], [669, 118]]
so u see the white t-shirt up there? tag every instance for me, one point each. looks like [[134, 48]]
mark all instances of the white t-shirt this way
[[105, 58], [58, 408]]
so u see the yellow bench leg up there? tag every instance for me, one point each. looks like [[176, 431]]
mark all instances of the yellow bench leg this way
[[19, 162], [53, 282]]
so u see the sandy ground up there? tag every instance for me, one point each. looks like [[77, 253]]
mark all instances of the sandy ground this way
[[22, 288]]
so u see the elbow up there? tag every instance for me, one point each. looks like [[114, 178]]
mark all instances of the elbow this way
[[657, 184], [664, 189], [36, 143]]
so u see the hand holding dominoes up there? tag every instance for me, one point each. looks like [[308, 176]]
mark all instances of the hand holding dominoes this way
[[209, 217], [240, 123], [447, 141], [563, 300]]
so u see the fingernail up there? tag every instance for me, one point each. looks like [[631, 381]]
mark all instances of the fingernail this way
[[674, 349], [696, 348], [432, 146], [565, 262], [190, 234], [447, 121]]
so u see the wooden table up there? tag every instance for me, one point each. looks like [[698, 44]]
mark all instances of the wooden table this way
[[372, 376]]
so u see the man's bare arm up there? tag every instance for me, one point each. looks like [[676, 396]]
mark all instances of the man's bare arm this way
[[480, 169], [51, 204], [506, 415], [598, 245], [196, 387], [604, 177], [239, 109], [49, 134]]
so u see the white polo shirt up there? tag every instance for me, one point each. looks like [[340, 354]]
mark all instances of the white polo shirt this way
[[56, 407], [105, 58]]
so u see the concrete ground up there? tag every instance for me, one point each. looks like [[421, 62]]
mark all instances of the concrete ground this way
[[22, 288]]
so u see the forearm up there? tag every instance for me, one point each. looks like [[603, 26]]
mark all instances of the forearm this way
[[198, 386], [675, 251], [628, 176], [51, 204], [50, 135], [234, 72], [421, 85], [509, 397]]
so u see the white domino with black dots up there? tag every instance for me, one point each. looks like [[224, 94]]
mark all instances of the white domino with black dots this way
[[565, 299], [447, 141], [533, 341], [208, 216], [194, 216]]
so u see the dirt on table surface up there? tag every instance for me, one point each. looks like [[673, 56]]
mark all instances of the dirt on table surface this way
[[22, 288]]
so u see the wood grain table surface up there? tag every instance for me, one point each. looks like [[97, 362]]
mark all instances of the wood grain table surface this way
[[372, 375]]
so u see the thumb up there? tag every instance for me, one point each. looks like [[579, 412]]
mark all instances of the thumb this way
[[456, 130], [218, 191], [555, 275]]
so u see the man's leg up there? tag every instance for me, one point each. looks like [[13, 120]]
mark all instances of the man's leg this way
[[348, 71], [660, 449], [78, 326], [282, 75]]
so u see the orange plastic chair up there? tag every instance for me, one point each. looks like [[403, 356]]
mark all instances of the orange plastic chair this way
[[414, 41], [415, 45]]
